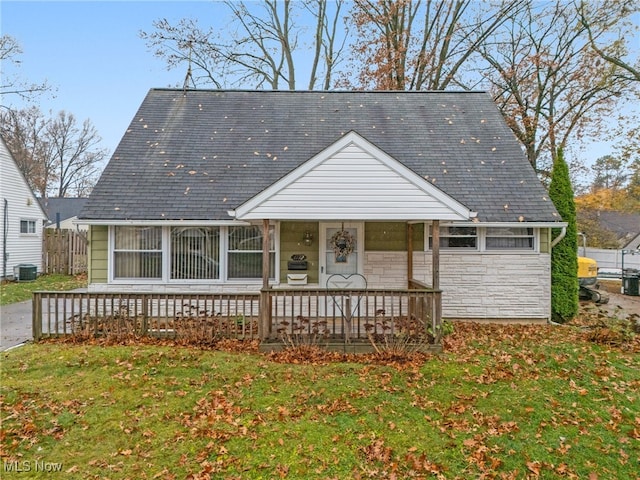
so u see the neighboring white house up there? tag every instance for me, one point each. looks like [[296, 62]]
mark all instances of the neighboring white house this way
[[22, 218]]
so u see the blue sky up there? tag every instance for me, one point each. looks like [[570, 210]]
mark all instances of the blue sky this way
[[92, 54]]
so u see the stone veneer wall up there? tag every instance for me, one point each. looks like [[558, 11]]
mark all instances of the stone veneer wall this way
[[474, 286]]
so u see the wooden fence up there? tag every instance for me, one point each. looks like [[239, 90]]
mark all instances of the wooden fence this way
[[64, 251]]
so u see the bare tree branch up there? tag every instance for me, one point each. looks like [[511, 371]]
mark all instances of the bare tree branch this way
[[632, 73], [13, 85], [55, 155], [262, 48], [549, 84]]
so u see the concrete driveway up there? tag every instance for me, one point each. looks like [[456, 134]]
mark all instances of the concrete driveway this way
[[15, 324]]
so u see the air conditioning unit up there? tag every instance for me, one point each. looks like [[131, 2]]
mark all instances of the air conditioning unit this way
[[25, 272]]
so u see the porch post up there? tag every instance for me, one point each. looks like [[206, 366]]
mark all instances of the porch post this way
[[435, 275], [435, 255], [412, 300], [264, 325], [409, 254], [265, 253], [36, 316]]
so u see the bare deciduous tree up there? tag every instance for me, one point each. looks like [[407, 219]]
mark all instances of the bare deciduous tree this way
[[258, 47], [76, 153], [610, 172], [548, 82], [24, 132], [56, 156]]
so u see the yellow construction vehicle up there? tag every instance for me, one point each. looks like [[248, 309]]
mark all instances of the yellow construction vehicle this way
[[588, 281]]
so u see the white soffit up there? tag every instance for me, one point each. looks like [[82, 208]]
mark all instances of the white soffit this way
[[352, 180]]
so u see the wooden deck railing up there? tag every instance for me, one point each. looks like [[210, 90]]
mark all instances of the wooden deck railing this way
[[199, 315], [332, 314], [348, 314]]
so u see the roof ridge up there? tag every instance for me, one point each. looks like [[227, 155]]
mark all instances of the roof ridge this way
[[244, 90]]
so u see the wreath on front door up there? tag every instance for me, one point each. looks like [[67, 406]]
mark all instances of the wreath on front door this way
[[342, 243]]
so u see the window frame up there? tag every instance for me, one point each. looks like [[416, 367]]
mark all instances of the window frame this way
[[449, 248], [228, 251], [171, 254], [223, 249], [29, 222], [482, 232], [113, 251], [533, 236]]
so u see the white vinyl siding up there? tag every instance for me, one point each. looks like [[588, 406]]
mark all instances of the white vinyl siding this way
[[18, 204], [353, 180], [353, 184]]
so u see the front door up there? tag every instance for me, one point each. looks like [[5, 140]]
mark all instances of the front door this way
[[341, 255]]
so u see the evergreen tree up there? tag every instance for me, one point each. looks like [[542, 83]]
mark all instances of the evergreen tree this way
[[564, 256]]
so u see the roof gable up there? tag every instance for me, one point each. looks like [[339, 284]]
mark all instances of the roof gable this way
[[352, 179]]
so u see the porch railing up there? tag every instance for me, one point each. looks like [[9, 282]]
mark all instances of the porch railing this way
[[194, 315], [269, 315], [348, 314]]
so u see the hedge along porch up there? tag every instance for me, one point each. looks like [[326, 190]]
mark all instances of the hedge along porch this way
[[200, 176]]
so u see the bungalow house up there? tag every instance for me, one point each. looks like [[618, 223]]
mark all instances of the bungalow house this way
[[242, 191], [22, 222]]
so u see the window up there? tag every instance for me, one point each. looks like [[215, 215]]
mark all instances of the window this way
[[510, 238], [138, 252], [190, 253], [244, 256], [28, 226], [456, 237], [195, 253]]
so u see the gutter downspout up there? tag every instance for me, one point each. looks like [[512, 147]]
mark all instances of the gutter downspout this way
[[5, 235], [557, 240]]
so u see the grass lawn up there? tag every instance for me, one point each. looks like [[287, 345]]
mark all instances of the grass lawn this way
[[12, 292], [500, 402]]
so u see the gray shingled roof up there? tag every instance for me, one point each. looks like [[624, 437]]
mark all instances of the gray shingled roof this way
[[67, 207], [196, 155]]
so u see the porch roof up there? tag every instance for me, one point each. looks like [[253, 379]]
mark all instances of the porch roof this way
[[196, 155]]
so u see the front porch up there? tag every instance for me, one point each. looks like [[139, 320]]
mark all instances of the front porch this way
[[334, 318]]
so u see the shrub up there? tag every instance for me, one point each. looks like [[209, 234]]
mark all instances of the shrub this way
[[564, 256]]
